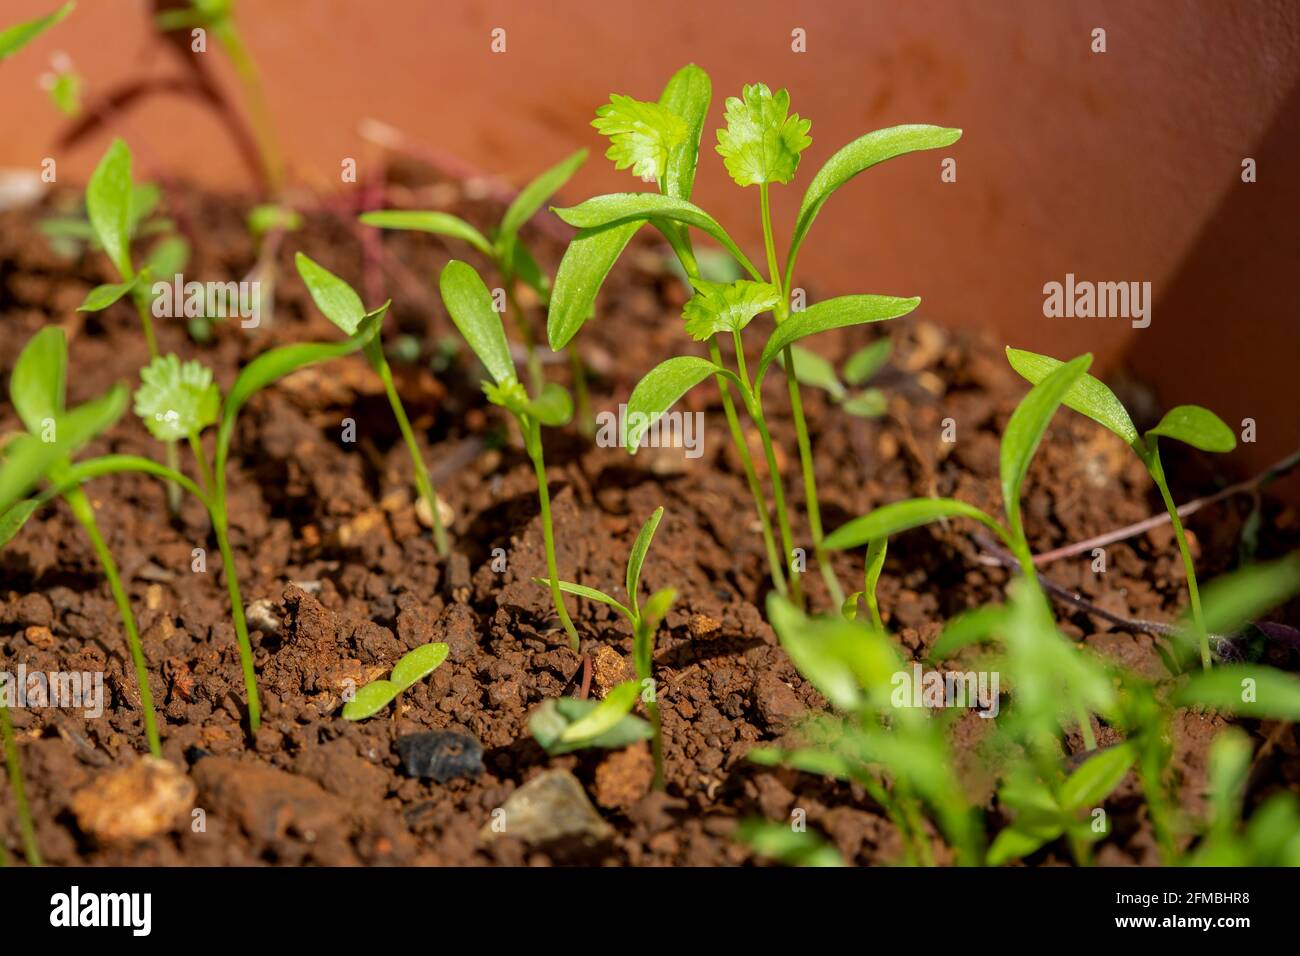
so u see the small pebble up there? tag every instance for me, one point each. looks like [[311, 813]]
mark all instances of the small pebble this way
[[440, 755]]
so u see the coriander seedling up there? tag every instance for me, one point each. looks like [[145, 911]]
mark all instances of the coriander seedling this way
[[565, 724], [470, 305], [760, 145], [413, 667], [340, 303], [1190, 424], [644, 620]]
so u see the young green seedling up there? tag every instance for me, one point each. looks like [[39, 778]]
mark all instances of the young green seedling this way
[[1190, 424], [760, 145], [644, 620], [413, 667], [470, 305], [816, 372], [565, 724], [14, 38], [37, 389], [783, 843], [511, 258], [340, 303], [31, 849]]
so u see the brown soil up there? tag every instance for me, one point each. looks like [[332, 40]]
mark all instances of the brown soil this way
[[327, 533]]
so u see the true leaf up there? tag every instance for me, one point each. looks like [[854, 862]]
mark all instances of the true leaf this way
[[1027, 425], [12, 521], [108, 204], [687, 94], [337, 300], [762, 141], [636, 557], [14, 38], [834, 313], [1097, 776], [1234, 600], [418, 664], [901, 516], [1245, 690], [370, 700], [861, 154], [470, 304], [102, 296], [1196, 426], [602, 718], [1089, 396], [814, 371], [438, 223], [642, 135], [176, 399], [866, 362], [532, 196], [726, 307], [38, 382], [583, 268], [662, 386]]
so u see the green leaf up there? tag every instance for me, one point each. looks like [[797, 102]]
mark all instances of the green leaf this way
[[145, 198], [1013, 843], [781, 842], [1196, 426], [526, 269], [818, 652], [417, 664], [168, 257], [1096, 777], [38, 382], [549, 721], [970, 627], [1027, 425], [866, 362], [583, 268], [12, 521], [824, 763], [108, 204], [726, 307], [553, 407], [837, 313], [641, 135], [901, 516], [814, 371], [1229, 768], [582, 591], [1234, 600], [602, 718], [861, 154], [14, 38], [370, 700], [873, 565], [28, 458], [1245, 690], [687, 94], [624, 207], [470, 304], [175, 399], [337, 300], [762, 143], [636, 558], [656, 606], [870, 403], [102, 296], [511, 396], [532, 196], [1089, 396], [272, 217], [439, 223], [662, 386]]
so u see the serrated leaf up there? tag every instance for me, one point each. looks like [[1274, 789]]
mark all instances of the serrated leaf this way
[[641, 135], [417, 664], [636, 557], [1234, 600], [1096, 777], [108, 204], [532, 196], [617, 704], [726, 307], [625, 207], [687, 94], [814, 371], [470, 305], [336, 300], [12, 521], [859, 155], [1027, 425], [762, 141], [102, 296], [14, 38], [867, 404], [1246, 690], [791, 847], [582, 271], [866, 362], [1196, 426], [900, 516], [836, 313], [38, 383], [1089, 396], [438, 223], [370, 700], [659, 390], [176, 399], [553, 407]]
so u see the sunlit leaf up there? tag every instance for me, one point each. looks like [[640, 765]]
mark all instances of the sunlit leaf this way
[[438, 223], [470, 305], [901, 516], [532, 196], [417, 664], [641, 135], [176, 399], [337, 300], [582, 271], [370, 700], [636, 557], [659, 390], [14, 38], [726, 307], [1088, 396], [38, 382], [1196, 426], [836, 313], [762, 141]]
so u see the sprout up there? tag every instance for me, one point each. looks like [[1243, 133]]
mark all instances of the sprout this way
[[411, 669]]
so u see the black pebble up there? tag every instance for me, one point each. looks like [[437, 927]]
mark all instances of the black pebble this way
[[441, 755]]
